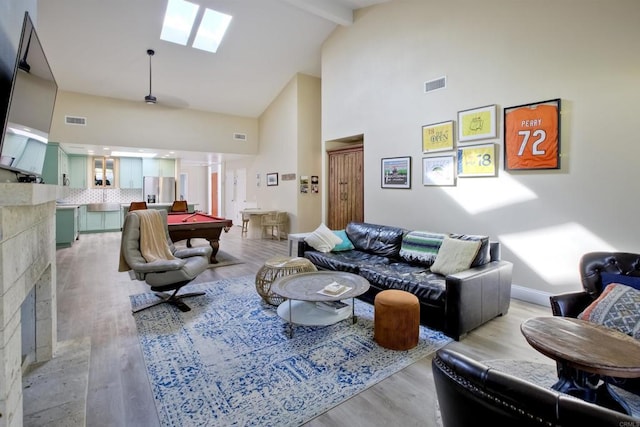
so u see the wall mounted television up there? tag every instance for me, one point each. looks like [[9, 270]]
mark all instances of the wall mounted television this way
[[27, 97]]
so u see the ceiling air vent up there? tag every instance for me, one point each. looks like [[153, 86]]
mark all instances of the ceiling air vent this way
[[435, 84], [74, 120], [240, 136]]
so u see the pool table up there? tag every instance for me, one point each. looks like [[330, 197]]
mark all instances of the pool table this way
[[186, 226]]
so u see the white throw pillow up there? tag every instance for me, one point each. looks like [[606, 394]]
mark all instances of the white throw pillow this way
[[322, 239], [455, 255]]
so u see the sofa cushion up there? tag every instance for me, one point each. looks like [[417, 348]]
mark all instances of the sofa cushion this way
[[455, 255], [483, 255], [623, 279], [418, 280], [349, 261], [345, 244], [322, 239], [421, 247], [380, 240], [617, 307]]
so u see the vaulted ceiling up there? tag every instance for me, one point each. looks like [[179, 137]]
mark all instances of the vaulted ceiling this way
[[99, 47]]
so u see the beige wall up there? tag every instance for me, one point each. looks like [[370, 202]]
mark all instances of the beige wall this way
[[507, 53], [289, 144], [115, 122], [309, 158]]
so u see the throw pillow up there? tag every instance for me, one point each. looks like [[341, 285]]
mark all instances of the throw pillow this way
[[608, 278], [617, 307], [455, 255], [421, 247], [322, 239], [345, 244]]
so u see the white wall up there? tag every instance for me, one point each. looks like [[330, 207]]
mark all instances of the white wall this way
[[507, 53]]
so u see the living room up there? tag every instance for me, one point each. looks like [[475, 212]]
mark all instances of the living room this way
[[372, 85]]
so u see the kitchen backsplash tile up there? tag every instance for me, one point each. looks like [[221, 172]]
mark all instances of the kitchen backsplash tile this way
[[83, 196]]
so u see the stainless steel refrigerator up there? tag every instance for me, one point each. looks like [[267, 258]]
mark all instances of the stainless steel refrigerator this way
[[159, 189]]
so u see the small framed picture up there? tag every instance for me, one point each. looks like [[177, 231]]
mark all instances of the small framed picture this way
[[477, 160], [396, 172], [438, 170], [272, 179], [477, 123], [437, 137], [532, 136]]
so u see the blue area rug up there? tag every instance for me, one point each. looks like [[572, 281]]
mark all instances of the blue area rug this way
[[229, 360]]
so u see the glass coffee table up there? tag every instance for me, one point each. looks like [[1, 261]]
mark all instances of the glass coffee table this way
[[302, 293]]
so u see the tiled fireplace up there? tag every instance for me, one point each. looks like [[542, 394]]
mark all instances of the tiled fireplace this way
[[27, 262]]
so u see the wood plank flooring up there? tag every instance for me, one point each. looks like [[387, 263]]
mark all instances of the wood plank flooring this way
[[93, 301]]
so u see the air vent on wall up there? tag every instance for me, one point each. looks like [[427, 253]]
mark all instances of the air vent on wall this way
[[435, 84], [74, 120], [240, 136]]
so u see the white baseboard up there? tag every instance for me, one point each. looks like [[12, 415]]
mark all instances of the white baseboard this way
[[533, 296]]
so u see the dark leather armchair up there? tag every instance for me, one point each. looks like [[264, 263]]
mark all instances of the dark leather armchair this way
[[161, 274], [470, 392], [571, 304], [592, 264]]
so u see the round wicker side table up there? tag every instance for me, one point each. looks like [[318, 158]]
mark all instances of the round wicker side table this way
[[277, 267]]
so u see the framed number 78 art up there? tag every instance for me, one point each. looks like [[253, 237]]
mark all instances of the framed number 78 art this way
[[532, 136]]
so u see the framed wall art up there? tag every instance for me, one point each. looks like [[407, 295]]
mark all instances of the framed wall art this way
[[396, 172], [437, 137], [477, 123], [438, 170], [477, 160], [532, 136], [272, 179]]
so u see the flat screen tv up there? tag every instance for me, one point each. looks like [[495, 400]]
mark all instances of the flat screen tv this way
[[27, 100]]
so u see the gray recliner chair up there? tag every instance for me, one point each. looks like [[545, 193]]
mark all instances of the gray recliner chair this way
[[161, 274]]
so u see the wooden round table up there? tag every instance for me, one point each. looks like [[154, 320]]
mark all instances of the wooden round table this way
[[586, 353]]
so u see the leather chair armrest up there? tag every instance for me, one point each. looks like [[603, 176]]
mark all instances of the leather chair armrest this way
[[570, 304], [193, 251], [158, 266]]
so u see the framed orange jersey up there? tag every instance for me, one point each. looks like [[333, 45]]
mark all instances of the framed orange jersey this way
[[532, 136]]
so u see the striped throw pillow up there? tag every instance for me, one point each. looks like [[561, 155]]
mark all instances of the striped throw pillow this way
[[421, 247]]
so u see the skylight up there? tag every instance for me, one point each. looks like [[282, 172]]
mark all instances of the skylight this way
[[180, 20]]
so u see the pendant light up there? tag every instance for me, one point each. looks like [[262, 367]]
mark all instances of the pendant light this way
[[150, 99]]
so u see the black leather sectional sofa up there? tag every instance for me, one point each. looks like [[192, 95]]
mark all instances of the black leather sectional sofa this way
[[454, 304]]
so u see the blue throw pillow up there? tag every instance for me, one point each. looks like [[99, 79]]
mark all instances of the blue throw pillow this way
[[608, 278], [345, 245]]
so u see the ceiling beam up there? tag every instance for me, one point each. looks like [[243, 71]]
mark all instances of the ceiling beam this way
[[331, 10]]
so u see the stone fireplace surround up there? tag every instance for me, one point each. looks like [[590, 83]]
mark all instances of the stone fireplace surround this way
[[27, 260]]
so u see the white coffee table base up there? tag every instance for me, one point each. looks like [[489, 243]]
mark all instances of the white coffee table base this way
[[306, 313]]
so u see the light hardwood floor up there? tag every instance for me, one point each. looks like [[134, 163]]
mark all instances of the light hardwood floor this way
[[93, 301]]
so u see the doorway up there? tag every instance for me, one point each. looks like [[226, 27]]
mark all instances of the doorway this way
[[346, 188]]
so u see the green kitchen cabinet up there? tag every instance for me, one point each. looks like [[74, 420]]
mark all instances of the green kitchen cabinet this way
[[130, 172], [78, 171], [102, 221], [67, 222], [159, 167], [55, 168]]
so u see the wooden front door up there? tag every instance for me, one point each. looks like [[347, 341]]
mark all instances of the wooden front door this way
[[346, 189]]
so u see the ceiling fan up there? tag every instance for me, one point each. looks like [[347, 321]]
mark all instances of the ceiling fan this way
[[150, 99]]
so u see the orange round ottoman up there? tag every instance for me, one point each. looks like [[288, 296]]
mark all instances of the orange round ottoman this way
[[396, 319]]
